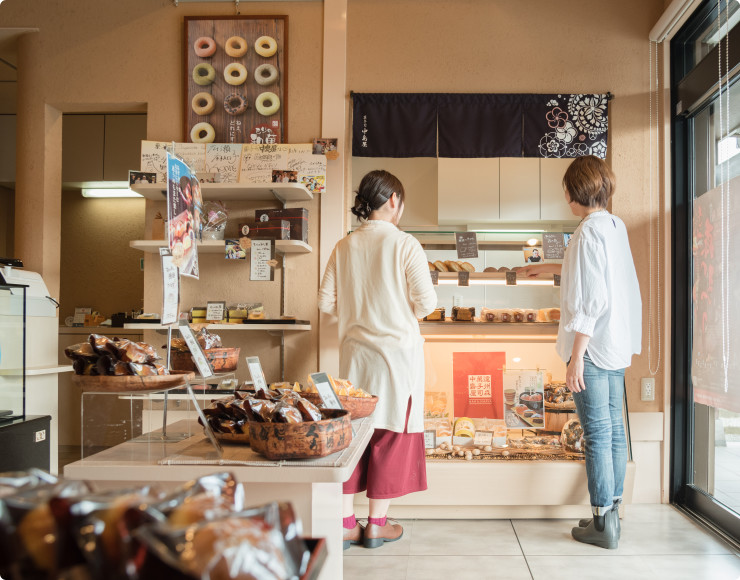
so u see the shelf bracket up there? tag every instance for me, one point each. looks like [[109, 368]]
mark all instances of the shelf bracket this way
[[277, 197], [281, 334]]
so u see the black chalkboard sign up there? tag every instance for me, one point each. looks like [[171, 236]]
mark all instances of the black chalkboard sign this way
[[466, 244], [511, 278], [553, 245], [435, 277], [556, 279], [463, 278]]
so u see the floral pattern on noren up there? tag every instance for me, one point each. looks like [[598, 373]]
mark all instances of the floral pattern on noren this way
[[578, 126]]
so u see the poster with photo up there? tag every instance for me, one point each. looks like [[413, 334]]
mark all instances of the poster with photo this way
[[477, 379], [523, 397], [183, 220], [236, 73], [234, 250], [533, 255]]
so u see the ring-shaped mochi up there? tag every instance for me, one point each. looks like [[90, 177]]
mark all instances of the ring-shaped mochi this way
[[267, 110], [265, 75], [265, 46], [198, 128], [204, 74], [235, 74]]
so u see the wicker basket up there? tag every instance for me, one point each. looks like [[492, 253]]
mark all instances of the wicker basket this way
[[222, 360], [306, 440], [358, 407]]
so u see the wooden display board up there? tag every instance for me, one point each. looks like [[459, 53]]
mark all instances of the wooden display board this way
[[249, 126]]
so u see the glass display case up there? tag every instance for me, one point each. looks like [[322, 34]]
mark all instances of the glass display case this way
[[12, 352]]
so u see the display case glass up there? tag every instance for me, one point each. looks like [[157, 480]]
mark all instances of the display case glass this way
[[12, 352]]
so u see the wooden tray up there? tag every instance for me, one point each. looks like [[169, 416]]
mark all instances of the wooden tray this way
[[130, 383], [242, 438], [358, 407], [306, 440], [222, 360]]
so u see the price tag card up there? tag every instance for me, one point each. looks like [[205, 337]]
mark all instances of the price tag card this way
[[435, 277], [483, 438], [466, 244], [553, 245], [511, 278], [463, 278], [262, 252], [556, 279], [79, 317], [430, 439], [204, 368], [206, 426], [170, 288], [215, 311], [257, 374], [326, 391]]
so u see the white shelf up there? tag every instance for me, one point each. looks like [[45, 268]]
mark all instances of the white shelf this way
[[218, 246], [490, 331], [234, 191], [32, 372], [240, 327], [495, 279]]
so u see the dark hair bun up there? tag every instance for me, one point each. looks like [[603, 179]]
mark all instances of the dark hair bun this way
[[362, 208]]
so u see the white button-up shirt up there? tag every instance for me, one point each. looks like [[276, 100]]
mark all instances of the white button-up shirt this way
[[377, 283], [599, 293]]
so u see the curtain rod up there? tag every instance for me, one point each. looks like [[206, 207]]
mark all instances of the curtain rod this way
[[609, 95]]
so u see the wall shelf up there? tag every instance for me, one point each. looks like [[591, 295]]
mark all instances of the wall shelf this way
[[495, 279], [218, 246], [282, 192], [240, 327], [491, 331]]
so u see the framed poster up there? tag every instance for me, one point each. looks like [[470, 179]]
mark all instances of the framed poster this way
[[236, 79]]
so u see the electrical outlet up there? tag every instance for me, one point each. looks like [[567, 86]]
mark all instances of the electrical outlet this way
[[648, 389], [40, 435]]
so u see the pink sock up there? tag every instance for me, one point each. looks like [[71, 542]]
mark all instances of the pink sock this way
[[349, 523], [377, 521]]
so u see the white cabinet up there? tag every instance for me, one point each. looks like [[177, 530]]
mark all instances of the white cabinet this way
[[552, 199], [519, 189], [468, 190]]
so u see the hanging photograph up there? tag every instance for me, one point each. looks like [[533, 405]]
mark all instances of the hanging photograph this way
[[236, 79]]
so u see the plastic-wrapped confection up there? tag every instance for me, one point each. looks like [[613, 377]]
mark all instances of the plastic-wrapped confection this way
[[99, 343], [308, 410], [83, 350], [142, 370], [285, 413]]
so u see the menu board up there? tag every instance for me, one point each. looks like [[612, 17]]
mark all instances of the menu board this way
[[262, 251], [554, 244], [466, 244]]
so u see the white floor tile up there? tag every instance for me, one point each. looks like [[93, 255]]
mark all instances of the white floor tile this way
[[468, 567], [703, 567], [591, 567], [464, 538], [371, 568]]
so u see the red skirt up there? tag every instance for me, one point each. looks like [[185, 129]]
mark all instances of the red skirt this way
[[393, 465]]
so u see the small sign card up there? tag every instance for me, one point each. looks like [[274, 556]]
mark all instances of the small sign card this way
[[326, 391], [463, 278], [204, 368], [205, 423], [556, 279], [79, 317], [466, 244], [170, 288], [262, 252], [483, 438], [511, 278], [435, 277], [553, 245], [257, 374], [430, 439], [215, 311]]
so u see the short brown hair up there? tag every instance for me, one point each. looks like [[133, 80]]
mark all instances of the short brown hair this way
[[589, 181]]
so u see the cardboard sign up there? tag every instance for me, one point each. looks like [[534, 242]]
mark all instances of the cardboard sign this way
[[262, 252], [511, 278], [483, 438], [556, 279], [326, 391], [215, 311], [435, 277], [170, 288], [553, 245], [463, 278], [466, 244], [257, 374], [430, 439], [204, 368]]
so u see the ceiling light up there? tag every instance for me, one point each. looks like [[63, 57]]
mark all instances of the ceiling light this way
[[532, 241], [114, 192]]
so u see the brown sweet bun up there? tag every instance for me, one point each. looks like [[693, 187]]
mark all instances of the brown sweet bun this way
[[503, 269], [441, 266], [453, 266], [467, 266], [37, 532], [490, 269], [554, 314]]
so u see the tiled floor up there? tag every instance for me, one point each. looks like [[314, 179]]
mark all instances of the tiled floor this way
[[727, 474], [658, 542]]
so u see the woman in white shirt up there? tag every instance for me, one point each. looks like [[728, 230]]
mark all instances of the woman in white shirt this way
[[600, 330], [377, 283]]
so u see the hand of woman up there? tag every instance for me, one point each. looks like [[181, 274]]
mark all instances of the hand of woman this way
[[574, 375], [532, 271]]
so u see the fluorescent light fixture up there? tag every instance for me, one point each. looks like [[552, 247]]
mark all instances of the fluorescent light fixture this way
[[727, 148], [532, 241], [482, 231], [113, 192], [498, 282]]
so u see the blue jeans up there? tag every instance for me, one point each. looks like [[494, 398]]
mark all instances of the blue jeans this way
[[600, 411]]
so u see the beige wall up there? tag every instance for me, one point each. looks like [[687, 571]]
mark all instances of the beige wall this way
[[98, 269], [537, 46], [7, 223]]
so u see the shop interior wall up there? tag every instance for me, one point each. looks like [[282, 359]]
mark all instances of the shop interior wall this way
[[7, 224], [92, 56], [98, 269], [527, 47]]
